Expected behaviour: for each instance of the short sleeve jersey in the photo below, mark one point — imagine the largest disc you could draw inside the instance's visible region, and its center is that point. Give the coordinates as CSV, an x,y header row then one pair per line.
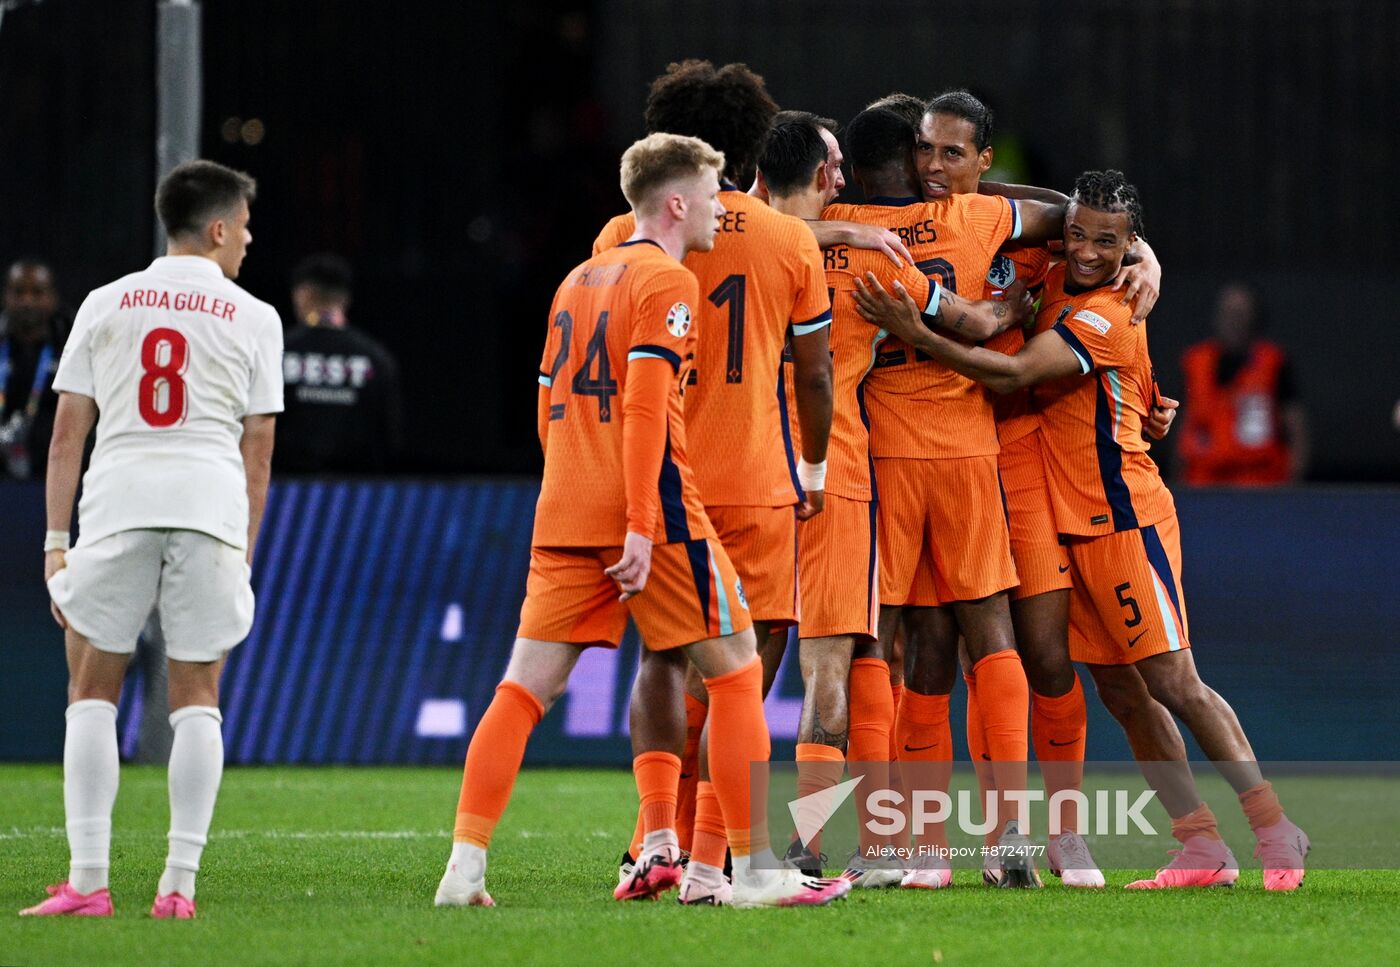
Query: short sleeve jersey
x,y
1101,478
763,278
953,242
1014,414
175,356
854,346
631,302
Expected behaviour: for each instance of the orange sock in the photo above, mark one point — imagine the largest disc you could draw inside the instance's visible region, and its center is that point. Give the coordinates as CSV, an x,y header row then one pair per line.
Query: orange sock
x,y
977,750
493,762
658,774
1261,805
818,767
739,738
1004,705
871,737
925,752
897,697
871,711
709,843
1058,727
634,845
1198,822
695,713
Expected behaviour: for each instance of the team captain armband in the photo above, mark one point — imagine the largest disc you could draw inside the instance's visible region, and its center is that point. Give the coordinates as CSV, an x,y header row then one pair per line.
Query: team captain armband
x,y
812,325
935,295
655,352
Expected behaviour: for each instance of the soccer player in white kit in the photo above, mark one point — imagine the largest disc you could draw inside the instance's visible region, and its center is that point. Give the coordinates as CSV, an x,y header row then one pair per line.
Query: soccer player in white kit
x,y
181,370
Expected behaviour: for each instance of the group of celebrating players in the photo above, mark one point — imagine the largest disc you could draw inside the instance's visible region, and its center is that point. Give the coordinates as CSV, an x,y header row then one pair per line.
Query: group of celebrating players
x,y
759,411
912,429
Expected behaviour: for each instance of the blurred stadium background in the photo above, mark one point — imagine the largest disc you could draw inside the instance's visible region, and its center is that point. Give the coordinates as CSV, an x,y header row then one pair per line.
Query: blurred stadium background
x,y
463,156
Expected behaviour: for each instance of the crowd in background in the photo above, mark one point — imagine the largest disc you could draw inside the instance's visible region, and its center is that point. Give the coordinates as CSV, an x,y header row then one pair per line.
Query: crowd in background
x,y
1243,417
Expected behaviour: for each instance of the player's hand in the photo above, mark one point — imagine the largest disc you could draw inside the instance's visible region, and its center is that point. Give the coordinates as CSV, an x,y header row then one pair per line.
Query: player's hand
x,y
633,569
813,505
895,313
1022,306
1144,284
881,240
55,561
1161,417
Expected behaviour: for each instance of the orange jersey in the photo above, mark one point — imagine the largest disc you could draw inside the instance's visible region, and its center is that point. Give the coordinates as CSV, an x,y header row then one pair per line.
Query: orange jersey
x,y
763,276
854,345
1101,478
626,308
953,241
1014,415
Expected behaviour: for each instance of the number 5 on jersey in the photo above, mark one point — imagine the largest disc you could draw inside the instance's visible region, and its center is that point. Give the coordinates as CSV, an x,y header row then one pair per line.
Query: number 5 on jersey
x,y
161,398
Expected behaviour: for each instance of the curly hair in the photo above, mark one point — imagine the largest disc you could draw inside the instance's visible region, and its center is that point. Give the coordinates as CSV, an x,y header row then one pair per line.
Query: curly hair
x,y
907,105
1109,191
727,107
963,104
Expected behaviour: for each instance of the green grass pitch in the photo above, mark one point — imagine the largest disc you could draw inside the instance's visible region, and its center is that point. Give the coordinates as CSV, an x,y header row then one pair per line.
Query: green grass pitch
x,y
338,866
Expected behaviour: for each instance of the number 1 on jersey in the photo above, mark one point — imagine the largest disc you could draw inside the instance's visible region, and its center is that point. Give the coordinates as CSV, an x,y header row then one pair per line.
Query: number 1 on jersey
x,y
161,398
732,291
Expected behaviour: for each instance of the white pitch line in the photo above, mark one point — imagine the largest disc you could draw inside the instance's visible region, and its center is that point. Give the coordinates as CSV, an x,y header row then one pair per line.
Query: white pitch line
x,y
15,832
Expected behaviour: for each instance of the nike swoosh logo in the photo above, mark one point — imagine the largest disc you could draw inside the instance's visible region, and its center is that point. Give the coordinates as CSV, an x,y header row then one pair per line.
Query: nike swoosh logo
x,y
921,748
986,758
1134,640
1064,568
1070,742
687,775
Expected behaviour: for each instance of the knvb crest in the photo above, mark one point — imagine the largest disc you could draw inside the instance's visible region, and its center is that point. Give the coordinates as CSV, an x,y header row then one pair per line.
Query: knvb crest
x,y
1002,273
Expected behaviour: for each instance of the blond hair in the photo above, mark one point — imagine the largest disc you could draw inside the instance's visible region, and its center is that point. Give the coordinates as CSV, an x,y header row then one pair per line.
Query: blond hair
x,y
659,159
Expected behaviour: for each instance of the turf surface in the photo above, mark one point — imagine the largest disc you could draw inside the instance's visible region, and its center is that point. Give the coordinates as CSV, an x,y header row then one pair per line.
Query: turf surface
x,y
332,866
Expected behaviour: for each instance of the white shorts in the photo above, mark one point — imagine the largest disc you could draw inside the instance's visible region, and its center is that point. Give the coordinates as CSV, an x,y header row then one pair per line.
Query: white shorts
x,y
199,584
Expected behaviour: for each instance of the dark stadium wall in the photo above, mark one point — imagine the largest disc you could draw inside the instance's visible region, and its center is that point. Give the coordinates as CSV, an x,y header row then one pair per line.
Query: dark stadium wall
x,y
379,643
463,156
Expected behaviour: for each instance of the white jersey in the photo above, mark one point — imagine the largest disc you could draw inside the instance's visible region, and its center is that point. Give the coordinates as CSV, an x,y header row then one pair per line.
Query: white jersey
x,y
175,356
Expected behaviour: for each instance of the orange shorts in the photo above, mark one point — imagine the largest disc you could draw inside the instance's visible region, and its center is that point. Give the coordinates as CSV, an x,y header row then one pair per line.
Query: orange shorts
x,y
947,517
762,543
691,594
1127,601
1042,563
839,570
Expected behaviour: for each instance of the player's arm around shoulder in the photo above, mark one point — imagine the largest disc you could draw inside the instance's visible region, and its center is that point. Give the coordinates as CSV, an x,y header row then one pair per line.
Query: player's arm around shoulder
x,y
618,229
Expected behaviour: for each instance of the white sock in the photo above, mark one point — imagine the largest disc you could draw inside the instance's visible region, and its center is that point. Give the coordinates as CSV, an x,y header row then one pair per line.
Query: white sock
x,y
196,767
89,790
468,861
756,868
704,873
658,838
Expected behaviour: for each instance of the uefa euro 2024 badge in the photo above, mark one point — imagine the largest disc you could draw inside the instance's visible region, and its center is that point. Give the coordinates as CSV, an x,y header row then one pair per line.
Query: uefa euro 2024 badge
x,y
678,320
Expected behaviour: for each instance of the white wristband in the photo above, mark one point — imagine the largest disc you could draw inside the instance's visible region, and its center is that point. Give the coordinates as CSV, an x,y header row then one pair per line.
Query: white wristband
x,y
55,541
812,476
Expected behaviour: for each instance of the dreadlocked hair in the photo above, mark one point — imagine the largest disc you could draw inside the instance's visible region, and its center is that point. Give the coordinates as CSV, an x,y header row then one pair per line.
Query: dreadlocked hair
x,y
1109,191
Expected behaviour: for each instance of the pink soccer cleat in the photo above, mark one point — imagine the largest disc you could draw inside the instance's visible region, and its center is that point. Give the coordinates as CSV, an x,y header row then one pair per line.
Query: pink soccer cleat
x,y
935,875
786,888
657,870
64,901
1281,850
1200,862
1071,861
173,906
705,886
